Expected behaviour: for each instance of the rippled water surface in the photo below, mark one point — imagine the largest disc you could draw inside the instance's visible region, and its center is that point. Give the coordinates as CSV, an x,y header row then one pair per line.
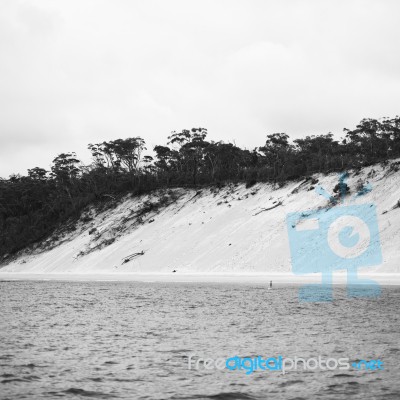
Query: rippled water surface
x,y
128,340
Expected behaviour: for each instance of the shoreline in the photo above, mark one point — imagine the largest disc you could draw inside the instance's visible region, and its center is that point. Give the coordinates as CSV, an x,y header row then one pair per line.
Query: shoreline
x,y
338,279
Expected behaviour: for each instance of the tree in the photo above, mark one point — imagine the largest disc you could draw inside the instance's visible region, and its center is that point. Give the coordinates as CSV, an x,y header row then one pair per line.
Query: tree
x,y
65,167
37,174
275,150
189,154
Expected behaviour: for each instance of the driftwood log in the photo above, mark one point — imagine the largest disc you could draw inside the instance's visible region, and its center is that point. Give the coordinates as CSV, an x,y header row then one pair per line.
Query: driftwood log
x,y
132,256
267,209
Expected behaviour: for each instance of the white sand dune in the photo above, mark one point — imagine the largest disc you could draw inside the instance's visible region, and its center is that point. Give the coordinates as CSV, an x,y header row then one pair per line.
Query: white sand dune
x,y
209,233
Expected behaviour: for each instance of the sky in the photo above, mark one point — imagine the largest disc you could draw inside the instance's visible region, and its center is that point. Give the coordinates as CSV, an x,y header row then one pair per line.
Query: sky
x,y
74,72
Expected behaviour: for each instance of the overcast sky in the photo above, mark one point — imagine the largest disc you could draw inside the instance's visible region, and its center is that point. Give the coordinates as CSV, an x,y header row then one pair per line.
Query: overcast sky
x,y
79,71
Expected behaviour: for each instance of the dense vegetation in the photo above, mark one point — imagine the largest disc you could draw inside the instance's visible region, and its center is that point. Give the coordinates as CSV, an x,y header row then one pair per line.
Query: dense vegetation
x,y
32,206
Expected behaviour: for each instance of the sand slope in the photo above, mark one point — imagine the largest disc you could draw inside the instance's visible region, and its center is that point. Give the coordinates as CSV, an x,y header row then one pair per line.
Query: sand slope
x,y
209,231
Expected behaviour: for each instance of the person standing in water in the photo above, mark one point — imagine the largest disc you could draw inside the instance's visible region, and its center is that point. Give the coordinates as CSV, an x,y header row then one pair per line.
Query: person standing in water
x,y
270,284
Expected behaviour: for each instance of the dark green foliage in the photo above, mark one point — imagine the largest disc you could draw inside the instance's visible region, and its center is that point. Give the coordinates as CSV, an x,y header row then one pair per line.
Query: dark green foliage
x,y
33,206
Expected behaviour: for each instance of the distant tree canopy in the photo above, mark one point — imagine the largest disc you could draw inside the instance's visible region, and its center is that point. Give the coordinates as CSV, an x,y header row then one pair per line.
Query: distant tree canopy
x,y
32,206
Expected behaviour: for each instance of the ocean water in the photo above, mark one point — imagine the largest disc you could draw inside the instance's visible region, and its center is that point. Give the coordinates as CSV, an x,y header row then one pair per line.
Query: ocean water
x,y
129,340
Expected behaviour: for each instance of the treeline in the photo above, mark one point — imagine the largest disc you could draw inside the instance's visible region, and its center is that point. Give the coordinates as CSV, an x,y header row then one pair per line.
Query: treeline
x,y
32,206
